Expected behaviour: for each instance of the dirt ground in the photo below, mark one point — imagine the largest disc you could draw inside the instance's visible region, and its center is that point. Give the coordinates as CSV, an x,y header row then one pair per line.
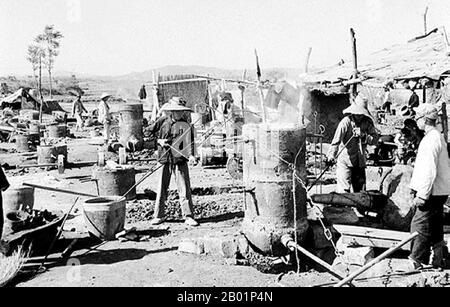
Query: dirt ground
x,y
156,262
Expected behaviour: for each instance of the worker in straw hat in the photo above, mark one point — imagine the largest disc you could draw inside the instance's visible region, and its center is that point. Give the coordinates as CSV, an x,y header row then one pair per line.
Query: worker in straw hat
x,y
78,109
355,131
430,185
104,115
175,148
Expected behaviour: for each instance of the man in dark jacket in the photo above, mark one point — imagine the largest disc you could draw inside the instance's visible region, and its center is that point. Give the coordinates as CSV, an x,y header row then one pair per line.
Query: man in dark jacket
x,y
175,148
4,184
142,93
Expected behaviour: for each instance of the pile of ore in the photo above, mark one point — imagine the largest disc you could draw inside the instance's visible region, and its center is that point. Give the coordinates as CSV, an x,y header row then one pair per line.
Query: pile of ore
x,y
205,207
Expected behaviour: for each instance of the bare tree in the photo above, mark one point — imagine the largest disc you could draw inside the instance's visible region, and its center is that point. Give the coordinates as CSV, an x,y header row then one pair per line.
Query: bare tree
x,y
50,40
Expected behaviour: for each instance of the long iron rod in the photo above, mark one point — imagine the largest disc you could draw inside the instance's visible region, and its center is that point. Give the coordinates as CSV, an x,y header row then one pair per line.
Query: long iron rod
x,y
376,260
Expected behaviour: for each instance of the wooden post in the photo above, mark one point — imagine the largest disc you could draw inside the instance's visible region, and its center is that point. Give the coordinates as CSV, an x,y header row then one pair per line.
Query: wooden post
x,y
308,55
40,88
425,20
155,108
355,61
261,96
376,260
242,88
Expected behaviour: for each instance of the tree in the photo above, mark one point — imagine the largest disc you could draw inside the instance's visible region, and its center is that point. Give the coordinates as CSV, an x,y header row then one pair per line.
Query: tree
x,y
50,42
33,55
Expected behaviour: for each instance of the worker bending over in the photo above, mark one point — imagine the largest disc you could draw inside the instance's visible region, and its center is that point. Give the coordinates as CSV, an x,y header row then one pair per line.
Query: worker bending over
x,y
355,131
430,184
175,148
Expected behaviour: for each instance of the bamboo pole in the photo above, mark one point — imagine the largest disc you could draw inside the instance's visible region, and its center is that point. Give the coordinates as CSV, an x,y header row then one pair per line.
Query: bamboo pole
x,y
261,96
308,56
376,260
58,190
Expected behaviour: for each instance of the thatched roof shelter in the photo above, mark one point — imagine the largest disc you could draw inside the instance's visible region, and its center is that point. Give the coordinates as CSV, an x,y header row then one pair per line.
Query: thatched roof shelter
x,y
425,56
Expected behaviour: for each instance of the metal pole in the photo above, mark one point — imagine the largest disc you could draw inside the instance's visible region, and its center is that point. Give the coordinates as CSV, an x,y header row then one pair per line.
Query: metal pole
x,y
376,260
288,241
58,190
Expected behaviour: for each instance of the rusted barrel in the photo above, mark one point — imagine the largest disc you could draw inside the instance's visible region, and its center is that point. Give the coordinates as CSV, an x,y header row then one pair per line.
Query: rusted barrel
x,y
49,154
115,182
131,122
14,198
22,143
57,131
268,161
104,216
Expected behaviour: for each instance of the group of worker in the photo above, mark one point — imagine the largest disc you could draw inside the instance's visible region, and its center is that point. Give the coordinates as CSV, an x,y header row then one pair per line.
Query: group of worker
x,y
430,182
104,114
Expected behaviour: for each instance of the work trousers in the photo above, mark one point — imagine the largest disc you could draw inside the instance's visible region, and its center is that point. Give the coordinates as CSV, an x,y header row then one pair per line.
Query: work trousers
x,y
80,122
181,172
348,177
106,130
428,221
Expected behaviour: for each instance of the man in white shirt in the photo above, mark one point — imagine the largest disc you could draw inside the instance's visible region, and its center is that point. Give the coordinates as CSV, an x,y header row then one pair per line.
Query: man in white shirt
x,y
430,183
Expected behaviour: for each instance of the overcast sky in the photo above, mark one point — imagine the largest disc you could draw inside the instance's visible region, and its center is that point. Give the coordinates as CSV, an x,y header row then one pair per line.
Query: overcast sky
x,y
113,37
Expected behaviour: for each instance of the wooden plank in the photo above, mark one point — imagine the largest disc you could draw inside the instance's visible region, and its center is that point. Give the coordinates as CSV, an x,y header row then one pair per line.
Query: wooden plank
x,y
371,232
183,81
366,236
372,242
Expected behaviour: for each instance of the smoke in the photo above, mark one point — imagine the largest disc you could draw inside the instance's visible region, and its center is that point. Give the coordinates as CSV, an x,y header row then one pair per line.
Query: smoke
x,y
289,103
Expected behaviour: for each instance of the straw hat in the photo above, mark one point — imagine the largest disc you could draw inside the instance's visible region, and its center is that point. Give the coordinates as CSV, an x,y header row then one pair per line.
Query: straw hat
x,y
104,96
226,96
175,104
359,107
427,110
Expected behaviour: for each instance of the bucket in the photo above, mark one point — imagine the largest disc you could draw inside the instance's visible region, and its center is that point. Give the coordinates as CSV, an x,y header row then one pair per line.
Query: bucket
x,y
104,216
34,128
115,182
22,143
29,114
15,198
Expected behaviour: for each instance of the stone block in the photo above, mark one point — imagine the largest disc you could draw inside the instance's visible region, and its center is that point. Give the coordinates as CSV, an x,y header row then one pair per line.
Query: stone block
x,y
192,247
225,247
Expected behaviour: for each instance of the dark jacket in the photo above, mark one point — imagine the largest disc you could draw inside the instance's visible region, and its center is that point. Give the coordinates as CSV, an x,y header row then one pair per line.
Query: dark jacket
x,y
413,100
4,184
162,129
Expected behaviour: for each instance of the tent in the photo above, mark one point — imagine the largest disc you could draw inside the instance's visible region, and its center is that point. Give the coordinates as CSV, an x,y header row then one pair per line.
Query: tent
x,y
24,99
